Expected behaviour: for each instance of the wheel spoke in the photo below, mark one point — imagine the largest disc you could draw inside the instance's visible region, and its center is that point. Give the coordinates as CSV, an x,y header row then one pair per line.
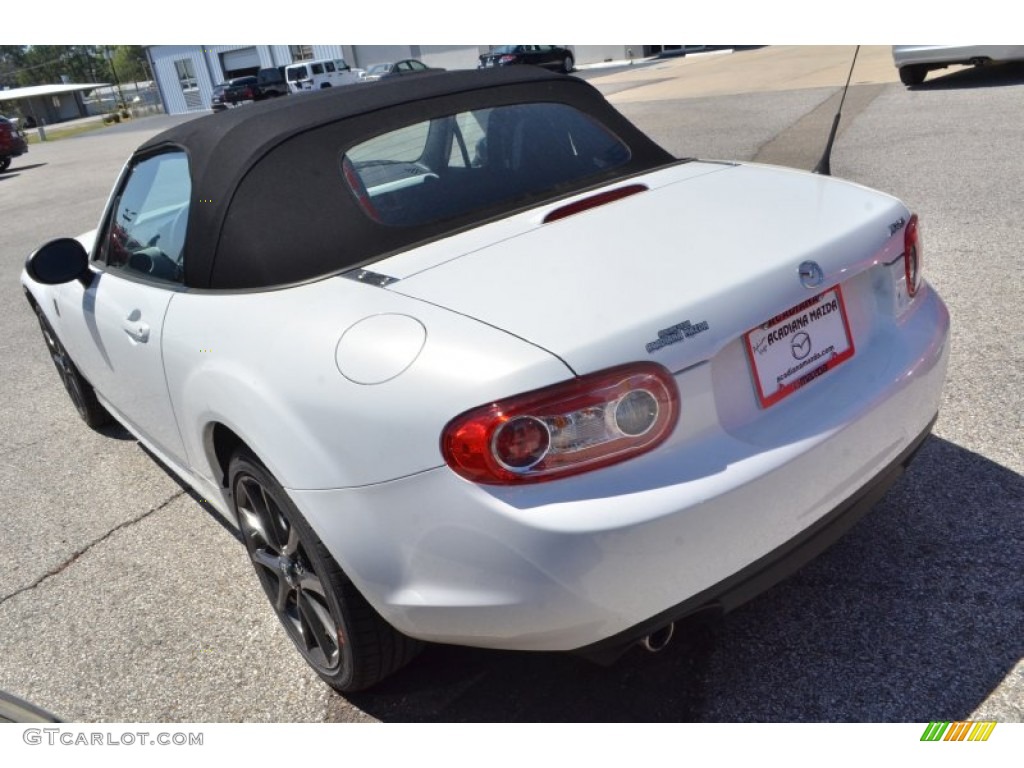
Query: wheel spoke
x,y
322,632
75,391
260,515
292,545
248,518
273,519
284,591
270,562
310,582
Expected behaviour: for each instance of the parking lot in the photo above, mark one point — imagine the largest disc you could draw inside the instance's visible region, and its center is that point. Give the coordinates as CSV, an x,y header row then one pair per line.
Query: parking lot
x,y
123,597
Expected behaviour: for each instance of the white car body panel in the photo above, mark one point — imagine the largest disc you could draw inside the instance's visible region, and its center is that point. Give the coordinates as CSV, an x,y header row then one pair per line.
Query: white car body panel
x,y
566,287
556,566
314,437
113,331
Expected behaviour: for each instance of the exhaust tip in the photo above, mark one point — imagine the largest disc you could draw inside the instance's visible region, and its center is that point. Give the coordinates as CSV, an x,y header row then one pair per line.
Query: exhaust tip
x,y
659,639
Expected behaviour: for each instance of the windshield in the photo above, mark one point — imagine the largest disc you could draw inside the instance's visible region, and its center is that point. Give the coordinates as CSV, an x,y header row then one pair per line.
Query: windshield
x,y
378,69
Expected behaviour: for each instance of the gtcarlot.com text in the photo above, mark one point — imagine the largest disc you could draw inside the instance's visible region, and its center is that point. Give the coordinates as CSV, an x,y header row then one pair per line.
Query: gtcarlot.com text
x,y
75,738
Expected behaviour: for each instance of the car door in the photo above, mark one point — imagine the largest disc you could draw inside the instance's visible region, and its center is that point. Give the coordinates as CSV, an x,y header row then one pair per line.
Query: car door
x,y
549,56
114,327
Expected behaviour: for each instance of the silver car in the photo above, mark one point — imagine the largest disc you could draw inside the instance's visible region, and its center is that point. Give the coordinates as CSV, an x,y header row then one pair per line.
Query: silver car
x,y
916,61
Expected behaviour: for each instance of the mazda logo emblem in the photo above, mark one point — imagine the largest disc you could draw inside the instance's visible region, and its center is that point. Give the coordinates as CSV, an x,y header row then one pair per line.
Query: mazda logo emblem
x,y
800,346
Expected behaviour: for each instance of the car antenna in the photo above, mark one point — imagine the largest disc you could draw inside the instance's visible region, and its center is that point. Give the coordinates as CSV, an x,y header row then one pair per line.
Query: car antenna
x,y
824,166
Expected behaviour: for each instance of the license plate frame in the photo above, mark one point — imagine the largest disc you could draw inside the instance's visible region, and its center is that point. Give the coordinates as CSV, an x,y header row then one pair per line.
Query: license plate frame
x,y
799,345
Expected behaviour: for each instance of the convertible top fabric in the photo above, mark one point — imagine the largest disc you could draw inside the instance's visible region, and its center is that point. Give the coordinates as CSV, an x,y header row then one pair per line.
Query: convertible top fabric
x,y
269,204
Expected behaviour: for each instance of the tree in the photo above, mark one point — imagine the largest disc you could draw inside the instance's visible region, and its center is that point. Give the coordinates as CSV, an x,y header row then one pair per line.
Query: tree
x,y
43,64
130,63
12,59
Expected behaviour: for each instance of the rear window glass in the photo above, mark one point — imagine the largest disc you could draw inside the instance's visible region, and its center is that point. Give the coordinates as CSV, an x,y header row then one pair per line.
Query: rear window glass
x,y
297,73
454,165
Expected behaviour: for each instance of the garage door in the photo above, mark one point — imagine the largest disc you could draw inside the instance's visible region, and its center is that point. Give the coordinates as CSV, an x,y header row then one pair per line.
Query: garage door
x,y
240,62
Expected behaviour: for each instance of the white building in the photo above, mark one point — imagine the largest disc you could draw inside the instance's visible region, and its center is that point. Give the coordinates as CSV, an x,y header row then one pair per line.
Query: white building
x,y
186,74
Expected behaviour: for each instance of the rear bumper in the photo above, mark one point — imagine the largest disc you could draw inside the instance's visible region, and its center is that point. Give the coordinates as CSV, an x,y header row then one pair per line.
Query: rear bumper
x,y
771,569
945,55
16,149
588,563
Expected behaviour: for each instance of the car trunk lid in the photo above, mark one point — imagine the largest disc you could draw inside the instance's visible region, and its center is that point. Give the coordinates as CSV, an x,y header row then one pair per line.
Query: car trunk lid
x,y
670,274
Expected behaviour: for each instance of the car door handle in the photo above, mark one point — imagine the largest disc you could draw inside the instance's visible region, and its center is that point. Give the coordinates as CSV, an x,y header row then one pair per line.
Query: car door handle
x,y
137,331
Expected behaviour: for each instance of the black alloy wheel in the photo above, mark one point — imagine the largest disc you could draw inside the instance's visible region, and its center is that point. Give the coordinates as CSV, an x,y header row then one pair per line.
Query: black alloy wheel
x,y
82,395
337,632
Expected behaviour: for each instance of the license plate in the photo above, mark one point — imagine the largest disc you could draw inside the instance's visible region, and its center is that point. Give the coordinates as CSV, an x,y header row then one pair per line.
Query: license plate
x,y
798,346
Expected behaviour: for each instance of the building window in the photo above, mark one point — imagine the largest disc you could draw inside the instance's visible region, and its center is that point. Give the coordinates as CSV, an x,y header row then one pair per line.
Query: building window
x,y
186,72
301,52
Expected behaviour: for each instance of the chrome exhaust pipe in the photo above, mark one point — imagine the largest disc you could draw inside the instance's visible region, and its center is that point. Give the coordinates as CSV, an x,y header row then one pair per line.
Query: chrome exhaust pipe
x,y
659,639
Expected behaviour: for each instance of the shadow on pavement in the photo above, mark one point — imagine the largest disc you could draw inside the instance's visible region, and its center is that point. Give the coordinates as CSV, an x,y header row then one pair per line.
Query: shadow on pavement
x,y
14,170
989,76
917,615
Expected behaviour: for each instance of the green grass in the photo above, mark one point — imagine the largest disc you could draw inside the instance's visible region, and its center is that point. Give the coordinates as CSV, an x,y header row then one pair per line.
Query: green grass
x,y
55,132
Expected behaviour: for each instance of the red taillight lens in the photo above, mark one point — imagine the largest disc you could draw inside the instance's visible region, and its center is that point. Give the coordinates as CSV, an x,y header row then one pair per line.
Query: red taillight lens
x,y
508,59
912,256
572,427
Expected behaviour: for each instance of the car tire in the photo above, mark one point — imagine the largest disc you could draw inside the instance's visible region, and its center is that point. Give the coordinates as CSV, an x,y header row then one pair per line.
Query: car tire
x,y
913,74
334,628
568,64
82,395
5,163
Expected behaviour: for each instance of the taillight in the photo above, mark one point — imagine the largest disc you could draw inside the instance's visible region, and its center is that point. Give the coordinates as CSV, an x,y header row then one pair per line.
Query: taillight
x,y
508,59
594,201
912,256
576,426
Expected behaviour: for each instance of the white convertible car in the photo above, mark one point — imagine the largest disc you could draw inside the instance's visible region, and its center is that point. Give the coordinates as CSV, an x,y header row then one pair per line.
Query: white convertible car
x,y
472,360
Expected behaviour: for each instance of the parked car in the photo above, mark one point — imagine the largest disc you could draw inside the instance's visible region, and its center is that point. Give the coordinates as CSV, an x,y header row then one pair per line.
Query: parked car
x,y
472,360
234,92
916,61
12,143
396,69
319,73
549,56
270,82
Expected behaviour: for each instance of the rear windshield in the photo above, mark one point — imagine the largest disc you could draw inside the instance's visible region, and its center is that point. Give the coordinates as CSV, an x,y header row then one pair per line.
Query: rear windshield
x,y
459,164
297,73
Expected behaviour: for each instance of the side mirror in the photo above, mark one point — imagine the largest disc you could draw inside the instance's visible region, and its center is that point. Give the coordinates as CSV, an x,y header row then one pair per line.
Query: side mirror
x,y
59,261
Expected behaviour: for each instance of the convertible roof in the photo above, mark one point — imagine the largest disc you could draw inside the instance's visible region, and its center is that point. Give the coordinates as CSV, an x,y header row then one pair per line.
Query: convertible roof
x,y
232,135
268,204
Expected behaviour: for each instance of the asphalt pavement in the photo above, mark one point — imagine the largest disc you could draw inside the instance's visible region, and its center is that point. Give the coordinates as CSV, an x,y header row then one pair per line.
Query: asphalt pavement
x,y
124,598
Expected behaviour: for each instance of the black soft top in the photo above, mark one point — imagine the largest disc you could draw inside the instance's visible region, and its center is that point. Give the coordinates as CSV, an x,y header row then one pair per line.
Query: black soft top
x,y
269,206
